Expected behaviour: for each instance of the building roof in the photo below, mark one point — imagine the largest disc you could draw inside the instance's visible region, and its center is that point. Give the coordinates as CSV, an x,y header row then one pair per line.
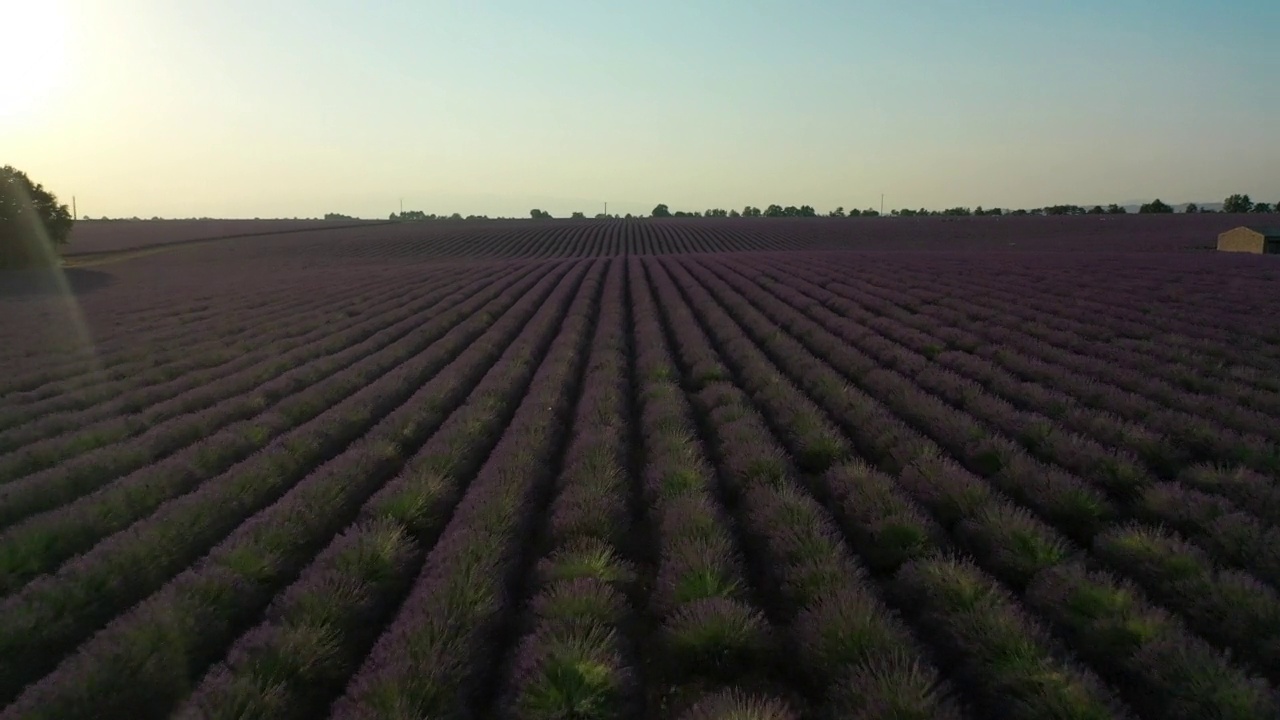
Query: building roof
x,y
1269,232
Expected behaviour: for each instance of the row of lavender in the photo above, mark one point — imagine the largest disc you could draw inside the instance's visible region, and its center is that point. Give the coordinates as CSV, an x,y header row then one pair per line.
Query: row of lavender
x,y
1226,340
1134,454
1131,453
52,514
79,419
583,239
1083,509
770,469
1109,244
57,611
139,315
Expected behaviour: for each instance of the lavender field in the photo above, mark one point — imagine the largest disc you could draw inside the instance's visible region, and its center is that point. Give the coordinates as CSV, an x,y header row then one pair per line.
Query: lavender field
x,y
885,468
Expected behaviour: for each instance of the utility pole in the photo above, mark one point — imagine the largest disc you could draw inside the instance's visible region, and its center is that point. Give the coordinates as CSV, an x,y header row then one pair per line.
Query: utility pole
x,y
606,208
74,215
881,204
402,206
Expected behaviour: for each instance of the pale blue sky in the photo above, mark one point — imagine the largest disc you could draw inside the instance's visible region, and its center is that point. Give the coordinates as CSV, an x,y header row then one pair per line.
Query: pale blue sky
x,y
243,108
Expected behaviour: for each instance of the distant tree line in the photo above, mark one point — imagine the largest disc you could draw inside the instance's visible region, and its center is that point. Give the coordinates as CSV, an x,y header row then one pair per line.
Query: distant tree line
x,y
420,216
1233,204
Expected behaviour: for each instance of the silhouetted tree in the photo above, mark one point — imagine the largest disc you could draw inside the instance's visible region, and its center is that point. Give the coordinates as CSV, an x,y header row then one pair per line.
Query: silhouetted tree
x,y
1114,209
661,211
33,224
1237,204
751,211
576,215
537,214
1262,208
774,211
855,212
734,214
1191,208
1154,207
412,215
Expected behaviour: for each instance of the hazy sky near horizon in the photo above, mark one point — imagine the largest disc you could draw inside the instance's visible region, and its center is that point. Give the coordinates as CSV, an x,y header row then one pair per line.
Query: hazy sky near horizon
x,y
282,108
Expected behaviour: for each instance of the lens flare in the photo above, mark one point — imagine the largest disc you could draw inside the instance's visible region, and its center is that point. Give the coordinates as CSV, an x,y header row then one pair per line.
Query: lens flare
x,y
67,329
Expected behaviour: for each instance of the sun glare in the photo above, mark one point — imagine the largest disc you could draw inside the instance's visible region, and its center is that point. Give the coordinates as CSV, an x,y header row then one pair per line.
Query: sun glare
x,y
34,53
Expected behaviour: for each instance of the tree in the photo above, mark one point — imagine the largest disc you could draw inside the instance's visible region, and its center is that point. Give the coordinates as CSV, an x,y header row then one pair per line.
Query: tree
x,y
870,212
1114,209
661,211
1262,208
33,224
774,211
734,214
537,214
1237,204
1155,207
577,216
751,211
1191,208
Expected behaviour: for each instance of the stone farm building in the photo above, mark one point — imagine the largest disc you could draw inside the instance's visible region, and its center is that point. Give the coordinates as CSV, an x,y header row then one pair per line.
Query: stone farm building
x,y
1251,240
